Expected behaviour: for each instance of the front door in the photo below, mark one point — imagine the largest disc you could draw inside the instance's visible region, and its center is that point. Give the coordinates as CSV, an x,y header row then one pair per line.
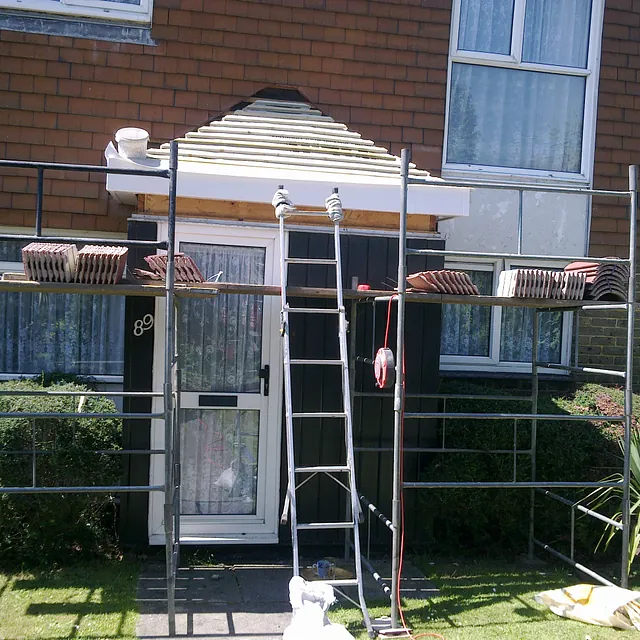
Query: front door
x,y
229,352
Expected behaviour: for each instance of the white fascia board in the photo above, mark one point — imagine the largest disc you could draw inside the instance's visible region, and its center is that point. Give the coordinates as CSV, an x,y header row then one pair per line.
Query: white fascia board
x,y
306,188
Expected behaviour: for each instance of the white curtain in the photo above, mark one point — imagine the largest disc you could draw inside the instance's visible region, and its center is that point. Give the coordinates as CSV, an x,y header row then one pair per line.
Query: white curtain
x,y
466,329
485,25
557,32
516,335
518,119
219,462
221,344
221,338
55,333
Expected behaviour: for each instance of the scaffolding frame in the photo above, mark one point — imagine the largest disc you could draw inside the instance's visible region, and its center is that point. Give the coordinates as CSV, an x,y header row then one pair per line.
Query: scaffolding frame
x,y
170,384
534,485
170,392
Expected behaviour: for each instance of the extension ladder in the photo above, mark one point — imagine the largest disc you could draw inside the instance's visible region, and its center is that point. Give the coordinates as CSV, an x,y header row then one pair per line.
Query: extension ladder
x,y
297,475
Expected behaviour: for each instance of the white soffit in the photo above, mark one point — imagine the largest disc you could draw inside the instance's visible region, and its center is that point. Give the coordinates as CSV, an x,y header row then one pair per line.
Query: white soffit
x,y
249,152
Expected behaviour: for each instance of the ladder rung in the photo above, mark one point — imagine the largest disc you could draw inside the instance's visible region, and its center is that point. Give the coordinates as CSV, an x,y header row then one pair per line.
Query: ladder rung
x,y
321,469
325,525
310,310
311,260
309,361
320,414
344,583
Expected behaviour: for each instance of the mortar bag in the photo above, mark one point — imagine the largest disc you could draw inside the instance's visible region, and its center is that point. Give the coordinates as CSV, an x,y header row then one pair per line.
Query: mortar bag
x,y
599,605
310,602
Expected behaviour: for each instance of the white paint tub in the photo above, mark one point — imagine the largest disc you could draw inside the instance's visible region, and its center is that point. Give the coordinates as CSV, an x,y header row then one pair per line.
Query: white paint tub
x,y
132,142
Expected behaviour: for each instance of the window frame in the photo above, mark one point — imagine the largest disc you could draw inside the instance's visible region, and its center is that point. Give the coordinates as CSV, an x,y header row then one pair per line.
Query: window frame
x,y
514,61
493,363
101,9
18,267
455,361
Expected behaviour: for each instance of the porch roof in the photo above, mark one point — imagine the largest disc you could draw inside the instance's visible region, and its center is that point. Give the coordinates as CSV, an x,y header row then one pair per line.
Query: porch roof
x,y
247,153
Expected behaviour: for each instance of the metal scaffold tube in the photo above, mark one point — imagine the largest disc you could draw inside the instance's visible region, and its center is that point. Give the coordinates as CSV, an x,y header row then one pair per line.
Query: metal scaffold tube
x,y
628,383
534,429
398,399
168,390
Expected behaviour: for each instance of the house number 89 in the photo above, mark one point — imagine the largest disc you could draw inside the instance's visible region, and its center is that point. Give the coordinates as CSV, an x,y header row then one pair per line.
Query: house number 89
x,y
140,326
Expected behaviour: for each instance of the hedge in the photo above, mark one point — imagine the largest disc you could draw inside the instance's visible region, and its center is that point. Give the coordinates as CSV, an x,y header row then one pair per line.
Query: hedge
x,y
495,521
56,528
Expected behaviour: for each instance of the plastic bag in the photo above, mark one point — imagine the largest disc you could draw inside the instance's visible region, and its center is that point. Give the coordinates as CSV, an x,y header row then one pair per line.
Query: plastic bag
x,y
602,606
310,602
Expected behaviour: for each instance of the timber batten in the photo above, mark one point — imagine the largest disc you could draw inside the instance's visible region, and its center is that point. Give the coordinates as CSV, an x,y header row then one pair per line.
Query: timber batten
x,y
234,211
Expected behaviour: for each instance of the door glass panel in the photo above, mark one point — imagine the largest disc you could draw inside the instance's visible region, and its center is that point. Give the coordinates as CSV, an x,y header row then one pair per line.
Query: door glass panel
x,y
221,338
219,462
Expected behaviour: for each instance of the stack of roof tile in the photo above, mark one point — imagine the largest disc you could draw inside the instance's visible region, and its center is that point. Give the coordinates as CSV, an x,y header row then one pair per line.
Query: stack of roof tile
x,y
48,262
604,281
443,281
186,269
541,283
101,265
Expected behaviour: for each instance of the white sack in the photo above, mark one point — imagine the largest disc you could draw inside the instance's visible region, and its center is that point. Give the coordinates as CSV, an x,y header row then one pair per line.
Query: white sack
x,y
599,605
310,602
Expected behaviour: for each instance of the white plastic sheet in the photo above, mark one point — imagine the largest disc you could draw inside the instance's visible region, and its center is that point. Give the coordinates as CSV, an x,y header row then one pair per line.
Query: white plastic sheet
x,y
599,605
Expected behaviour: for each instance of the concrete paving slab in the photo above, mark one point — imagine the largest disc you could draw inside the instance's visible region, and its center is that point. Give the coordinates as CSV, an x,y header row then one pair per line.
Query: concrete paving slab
x,y
249,601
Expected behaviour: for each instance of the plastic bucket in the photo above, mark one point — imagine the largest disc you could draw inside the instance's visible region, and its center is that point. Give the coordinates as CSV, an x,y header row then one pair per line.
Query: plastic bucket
x,y
132,142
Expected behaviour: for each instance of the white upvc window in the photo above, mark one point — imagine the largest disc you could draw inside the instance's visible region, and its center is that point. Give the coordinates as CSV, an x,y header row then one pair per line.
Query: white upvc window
x,y
478,338
138,11
522,89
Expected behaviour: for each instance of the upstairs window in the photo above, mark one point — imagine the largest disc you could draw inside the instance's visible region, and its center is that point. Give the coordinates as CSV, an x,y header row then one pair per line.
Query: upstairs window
x,y
138,11
522,87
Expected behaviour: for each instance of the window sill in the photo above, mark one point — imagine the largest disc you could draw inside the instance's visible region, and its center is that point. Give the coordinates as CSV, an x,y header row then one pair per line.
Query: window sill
x,y
496,175
76,28
500,371
496,373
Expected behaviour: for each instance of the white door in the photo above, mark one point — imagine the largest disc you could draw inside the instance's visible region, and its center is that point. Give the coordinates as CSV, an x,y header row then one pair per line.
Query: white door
x,y
230,424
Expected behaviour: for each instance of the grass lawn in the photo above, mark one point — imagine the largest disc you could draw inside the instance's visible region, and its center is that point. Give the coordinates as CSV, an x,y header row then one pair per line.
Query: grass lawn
x,y
90,601
487,601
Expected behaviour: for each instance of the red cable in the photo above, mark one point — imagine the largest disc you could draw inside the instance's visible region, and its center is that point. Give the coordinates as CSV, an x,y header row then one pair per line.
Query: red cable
x,y
401,558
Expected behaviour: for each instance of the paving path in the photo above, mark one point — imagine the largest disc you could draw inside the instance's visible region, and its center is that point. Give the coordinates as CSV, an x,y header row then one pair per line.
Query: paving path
x,y
238,600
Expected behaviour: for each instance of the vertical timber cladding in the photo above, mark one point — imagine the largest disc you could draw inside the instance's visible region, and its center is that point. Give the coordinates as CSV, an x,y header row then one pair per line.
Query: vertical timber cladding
x,y
374,261
138,376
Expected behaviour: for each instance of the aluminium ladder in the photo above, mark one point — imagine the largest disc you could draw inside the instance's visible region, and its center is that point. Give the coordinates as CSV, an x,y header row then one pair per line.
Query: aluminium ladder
x,y
294,420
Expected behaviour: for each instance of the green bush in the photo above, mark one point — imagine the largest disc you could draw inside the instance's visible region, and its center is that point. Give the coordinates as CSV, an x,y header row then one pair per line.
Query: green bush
x,y
55,528
496,521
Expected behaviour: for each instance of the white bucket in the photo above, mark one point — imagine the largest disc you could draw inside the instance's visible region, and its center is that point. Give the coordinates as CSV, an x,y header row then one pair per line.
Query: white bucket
x,y
132,142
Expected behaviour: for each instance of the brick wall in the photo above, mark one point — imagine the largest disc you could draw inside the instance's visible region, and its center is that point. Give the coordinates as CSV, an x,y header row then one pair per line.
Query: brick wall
x,y
379,66
602,339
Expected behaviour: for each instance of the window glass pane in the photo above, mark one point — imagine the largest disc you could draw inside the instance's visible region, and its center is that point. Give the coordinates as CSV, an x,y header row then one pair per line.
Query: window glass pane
x,y
485,25
515,119
11,250
47,333
466,329
557,32
221,338
516,335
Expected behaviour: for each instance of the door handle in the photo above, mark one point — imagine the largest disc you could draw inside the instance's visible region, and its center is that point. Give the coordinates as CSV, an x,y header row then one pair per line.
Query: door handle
x,y
264,374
